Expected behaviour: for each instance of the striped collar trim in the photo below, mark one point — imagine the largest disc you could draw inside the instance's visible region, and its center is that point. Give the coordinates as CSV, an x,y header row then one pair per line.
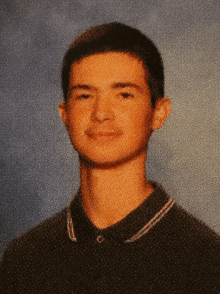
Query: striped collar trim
x,y
145,229
70,228
153,221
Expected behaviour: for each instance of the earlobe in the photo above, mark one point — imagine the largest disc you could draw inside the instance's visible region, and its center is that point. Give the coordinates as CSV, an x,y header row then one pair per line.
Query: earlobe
x,y
161,112
62,112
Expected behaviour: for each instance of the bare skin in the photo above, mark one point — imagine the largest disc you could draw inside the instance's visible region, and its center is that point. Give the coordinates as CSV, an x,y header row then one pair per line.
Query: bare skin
x,y
109,194
109,118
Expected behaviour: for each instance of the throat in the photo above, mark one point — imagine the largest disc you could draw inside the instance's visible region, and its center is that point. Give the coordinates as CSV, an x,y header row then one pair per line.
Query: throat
x,y
109,195
111,209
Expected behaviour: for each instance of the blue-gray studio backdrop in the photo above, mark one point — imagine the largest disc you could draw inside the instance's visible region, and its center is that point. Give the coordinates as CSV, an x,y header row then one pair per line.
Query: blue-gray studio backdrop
x,y
39,168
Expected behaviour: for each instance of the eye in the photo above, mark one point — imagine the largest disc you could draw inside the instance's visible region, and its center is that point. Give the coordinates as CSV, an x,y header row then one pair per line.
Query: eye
x,y
126,95
84,96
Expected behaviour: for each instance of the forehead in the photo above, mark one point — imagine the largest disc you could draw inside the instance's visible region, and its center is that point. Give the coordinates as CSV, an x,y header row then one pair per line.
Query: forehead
x,y
114,66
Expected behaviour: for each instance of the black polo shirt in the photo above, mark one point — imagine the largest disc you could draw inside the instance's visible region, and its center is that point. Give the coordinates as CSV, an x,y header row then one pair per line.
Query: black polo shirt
x,y
157,248
136,224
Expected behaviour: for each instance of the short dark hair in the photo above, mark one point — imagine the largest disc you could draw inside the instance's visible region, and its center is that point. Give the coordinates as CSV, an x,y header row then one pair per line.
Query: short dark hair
x,y
117,37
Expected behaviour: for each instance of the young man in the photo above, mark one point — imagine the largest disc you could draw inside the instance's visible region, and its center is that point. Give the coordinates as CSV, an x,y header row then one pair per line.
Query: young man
x,y
121,233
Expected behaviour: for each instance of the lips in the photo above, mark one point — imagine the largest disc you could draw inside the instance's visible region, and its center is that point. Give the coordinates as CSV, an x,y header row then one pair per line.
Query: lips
x,y
102,134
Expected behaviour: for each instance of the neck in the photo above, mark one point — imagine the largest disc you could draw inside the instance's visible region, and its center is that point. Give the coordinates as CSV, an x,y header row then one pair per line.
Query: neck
x,y
108,195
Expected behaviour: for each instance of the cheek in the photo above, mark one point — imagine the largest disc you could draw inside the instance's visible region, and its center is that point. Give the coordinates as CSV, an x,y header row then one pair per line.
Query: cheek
x,y
138,119
76,121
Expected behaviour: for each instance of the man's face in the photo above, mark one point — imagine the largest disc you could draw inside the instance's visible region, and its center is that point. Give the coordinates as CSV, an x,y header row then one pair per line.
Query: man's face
x,y
108,115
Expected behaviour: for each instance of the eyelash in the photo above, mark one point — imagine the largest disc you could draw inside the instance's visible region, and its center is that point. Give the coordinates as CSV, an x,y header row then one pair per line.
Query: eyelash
x,y
83,96
126,95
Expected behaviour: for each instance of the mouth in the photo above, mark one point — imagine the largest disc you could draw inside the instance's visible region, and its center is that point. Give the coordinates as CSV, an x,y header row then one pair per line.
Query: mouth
x,y
103,135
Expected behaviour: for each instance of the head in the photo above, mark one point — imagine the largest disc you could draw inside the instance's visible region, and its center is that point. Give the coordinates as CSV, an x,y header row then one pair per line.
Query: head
x,y
117,37
113,84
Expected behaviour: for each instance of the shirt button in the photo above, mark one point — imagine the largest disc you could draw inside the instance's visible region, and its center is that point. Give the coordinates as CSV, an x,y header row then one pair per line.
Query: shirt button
x,y
100,239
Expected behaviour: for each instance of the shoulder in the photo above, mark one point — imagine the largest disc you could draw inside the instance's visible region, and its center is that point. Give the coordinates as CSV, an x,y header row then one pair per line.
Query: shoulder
x,y
187,226
43,234
181,225
28,257
37,242
187,238
187,250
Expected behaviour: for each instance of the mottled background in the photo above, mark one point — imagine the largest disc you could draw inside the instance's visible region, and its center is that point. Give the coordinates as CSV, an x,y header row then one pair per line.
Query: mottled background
x,y
39,169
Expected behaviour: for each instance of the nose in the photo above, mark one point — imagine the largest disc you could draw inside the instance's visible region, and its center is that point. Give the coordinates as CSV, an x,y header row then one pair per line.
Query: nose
x,y
102,109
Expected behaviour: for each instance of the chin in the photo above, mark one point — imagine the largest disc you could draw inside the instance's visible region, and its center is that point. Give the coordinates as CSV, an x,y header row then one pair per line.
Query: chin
x,y
101,163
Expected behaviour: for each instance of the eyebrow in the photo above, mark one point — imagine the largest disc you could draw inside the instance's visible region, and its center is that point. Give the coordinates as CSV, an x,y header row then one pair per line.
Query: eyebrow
x,y
113,86
124,85
81,86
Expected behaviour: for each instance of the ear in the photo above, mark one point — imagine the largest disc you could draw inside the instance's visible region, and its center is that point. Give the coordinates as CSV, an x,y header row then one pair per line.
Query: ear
x,y
62,112
161,111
